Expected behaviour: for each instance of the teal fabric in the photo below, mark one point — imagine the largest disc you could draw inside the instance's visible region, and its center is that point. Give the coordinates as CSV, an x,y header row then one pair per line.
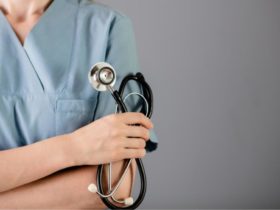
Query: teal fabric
x,y
44,88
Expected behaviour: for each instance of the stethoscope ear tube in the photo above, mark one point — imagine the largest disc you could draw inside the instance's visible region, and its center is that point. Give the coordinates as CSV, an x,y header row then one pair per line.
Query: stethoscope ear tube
x,y
141,195
147,90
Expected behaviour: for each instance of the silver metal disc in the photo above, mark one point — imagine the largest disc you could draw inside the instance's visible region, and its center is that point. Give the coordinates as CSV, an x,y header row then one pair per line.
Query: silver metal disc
x,y
101,76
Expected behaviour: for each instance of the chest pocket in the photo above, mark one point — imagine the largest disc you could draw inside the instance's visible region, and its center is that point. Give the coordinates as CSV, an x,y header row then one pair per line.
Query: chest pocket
x,y
72,114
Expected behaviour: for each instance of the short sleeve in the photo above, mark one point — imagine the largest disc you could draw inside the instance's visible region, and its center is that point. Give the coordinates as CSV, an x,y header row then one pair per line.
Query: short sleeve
x,y
121,53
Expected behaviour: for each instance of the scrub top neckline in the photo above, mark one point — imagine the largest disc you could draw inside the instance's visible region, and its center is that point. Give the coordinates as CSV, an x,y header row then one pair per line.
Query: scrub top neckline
x,y
47,50
38,23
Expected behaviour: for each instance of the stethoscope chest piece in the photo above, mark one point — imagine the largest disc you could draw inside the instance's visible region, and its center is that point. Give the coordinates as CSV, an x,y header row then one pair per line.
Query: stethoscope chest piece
x,y
101,76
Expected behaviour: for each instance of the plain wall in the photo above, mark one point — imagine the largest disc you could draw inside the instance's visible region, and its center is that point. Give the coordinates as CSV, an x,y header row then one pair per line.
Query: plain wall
x,y
214,67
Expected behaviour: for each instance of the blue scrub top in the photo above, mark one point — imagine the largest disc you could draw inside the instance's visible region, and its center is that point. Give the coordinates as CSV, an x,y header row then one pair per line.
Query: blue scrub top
x,y
44,88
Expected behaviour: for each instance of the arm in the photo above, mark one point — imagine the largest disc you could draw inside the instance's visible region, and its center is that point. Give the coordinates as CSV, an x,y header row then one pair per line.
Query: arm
x,y
110,144
23,168
24,165
64,189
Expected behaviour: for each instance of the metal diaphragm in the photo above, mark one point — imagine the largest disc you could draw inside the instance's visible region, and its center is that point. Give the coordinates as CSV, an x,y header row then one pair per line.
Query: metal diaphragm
x,y
101,76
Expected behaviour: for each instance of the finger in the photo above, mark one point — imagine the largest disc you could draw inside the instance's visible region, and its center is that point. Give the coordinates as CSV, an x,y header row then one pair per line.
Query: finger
x,y
137,132
134,153
134,143
131,118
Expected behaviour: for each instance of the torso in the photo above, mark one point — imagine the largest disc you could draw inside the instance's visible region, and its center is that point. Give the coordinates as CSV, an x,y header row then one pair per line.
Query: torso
x,y
44,82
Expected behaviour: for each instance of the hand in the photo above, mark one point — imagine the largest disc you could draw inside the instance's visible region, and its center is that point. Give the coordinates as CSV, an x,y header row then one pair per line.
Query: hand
x,y
111,138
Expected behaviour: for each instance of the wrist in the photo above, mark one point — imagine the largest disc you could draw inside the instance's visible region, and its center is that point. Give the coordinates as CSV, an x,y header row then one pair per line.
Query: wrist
x,y
69,150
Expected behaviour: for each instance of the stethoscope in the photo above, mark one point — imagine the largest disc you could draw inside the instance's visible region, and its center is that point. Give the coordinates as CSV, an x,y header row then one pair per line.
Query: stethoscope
x,y
102,77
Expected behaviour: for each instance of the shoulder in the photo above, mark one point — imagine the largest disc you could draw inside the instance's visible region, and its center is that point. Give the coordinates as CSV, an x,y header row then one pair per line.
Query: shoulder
x,y
99,12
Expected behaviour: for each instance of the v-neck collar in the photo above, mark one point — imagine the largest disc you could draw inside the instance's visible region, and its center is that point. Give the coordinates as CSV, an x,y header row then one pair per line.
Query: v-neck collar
x,y
47,49
52,4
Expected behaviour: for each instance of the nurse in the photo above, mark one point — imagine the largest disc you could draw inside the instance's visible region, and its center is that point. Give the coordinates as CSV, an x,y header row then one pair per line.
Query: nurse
x,y
54,128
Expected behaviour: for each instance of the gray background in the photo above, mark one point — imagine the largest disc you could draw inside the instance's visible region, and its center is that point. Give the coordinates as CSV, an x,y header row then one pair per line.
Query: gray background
x,y
214,67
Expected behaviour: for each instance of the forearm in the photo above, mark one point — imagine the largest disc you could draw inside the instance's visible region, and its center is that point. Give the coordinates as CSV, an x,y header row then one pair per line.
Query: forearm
x,y
26,164
25,169
65,189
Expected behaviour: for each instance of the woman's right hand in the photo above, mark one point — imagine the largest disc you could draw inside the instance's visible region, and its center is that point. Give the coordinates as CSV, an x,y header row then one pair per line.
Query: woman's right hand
x,y
111,138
